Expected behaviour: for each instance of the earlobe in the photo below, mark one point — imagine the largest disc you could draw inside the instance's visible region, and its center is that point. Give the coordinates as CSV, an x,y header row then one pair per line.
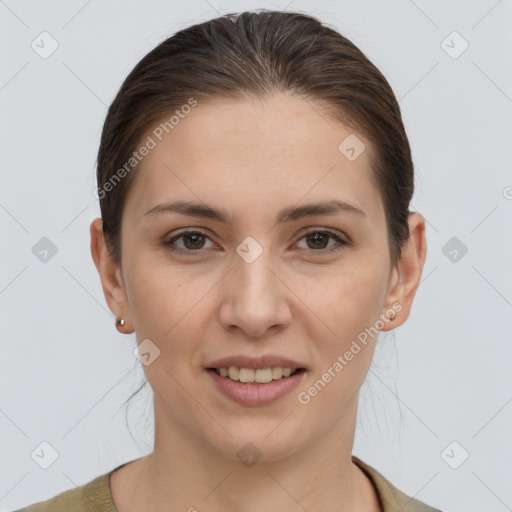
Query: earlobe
x,y
408,270
109,272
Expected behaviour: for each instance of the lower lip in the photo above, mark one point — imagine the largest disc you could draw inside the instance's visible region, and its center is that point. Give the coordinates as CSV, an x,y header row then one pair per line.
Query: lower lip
x,y
254,394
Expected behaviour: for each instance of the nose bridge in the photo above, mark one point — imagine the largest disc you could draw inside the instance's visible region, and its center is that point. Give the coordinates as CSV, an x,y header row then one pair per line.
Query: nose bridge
x,y
254,279
255,298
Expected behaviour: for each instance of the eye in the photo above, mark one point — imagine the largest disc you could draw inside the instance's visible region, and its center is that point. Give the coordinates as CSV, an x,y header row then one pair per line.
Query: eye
x,y
193,240
318,237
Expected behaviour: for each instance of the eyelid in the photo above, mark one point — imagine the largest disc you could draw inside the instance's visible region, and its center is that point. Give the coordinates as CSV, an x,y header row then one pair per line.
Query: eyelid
x,y
318,229
186,231
341,239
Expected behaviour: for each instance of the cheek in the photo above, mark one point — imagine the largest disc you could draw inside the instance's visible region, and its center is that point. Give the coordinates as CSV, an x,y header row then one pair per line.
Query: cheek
x,y
347,309
154,287
165,309
168,305
347,306
345,302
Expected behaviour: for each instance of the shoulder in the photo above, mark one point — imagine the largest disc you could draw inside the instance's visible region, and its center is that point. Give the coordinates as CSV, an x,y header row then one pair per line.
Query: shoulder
x,y
391,498
93,496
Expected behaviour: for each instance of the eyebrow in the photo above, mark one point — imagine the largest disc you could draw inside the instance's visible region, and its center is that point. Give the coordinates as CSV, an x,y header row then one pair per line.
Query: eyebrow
x,y
289,214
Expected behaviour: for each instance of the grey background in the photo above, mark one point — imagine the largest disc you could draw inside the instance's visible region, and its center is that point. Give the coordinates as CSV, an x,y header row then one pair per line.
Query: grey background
x,y
444,376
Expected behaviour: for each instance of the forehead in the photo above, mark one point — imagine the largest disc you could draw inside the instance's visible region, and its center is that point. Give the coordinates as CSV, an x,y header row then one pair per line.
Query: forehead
x,y
254,154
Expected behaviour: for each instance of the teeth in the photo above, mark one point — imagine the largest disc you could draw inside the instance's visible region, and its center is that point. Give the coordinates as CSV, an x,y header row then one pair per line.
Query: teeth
x,y
261,376
277,373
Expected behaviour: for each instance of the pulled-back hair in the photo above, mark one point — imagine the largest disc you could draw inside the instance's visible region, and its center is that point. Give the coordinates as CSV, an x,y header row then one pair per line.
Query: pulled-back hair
x,y
253,54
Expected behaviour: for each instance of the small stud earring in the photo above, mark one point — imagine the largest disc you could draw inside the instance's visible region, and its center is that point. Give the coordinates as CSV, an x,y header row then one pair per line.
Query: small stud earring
x,y
120,325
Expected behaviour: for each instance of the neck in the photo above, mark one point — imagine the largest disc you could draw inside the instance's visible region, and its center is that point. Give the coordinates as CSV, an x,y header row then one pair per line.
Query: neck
x,y
190,473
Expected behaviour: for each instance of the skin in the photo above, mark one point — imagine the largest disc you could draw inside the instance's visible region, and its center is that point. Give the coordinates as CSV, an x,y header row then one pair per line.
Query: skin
x,y
253,158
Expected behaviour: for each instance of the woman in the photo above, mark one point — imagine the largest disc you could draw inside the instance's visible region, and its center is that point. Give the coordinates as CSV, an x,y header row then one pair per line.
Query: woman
x,y
254,179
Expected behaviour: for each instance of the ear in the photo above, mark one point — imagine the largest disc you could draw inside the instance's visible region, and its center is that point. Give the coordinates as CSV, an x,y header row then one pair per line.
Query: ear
x,y
110,274
406,275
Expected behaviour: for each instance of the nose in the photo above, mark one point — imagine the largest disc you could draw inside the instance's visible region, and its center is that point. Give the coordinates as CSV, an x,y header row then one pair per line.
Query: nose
x,y
255,298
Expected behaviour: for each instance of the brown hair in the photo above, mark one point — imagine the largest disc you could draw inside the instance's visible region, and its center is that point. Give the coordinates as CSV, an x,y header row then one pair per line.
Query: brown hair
x,y
252,54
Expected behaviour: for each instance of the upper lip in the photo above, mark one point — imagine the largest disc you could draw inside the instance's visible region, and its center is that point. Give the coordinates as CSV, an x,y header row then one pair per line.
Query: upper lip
x,y
256,363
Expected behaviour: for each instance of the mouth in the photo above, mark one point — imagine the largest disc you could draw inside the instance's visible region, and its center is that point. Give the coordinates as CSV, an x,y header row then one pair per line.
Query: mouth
x,y
252,376
253,387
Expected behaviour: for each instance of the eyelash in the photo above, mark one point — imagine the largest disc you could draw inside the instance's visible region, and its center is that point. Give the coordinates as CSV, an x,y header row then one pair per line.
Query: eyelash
x,y
340,242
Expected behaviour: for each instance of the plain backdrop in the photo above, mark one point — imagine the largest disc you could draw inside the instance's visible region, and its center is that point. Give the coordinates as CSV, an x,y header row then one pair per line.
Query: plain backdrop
x,y
435,417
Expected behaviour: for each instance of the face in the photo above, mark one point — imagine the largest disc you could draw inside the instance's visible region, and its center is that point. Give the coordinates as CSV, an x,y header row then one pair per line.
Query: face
x,y
256,282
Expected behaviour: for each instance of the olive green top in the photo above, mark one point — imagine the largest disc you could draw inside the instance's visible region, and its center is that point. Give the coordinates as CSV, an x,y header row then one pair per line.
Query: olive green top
x,y
95,496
